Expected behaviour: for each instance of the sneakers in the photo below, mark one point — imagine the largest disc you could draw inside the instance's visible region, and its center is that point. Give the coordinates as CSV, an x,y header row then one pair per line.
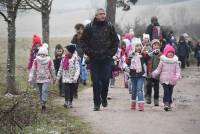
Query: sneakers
x,y
166,106
141,106
148,100
96,108
133,105
66,104
70,105
104,103
156,102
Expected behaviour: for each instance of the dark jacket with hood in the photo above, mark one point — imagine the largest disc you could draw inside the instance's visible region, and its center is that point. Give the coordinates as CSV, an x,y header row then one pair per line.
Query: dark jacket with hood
x,y
183,49
99,40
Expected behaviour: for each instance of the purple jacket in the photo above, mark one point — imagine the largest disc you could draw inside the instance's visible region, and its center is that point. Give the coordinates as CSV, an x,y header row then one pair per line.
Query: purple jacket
x,y
168,69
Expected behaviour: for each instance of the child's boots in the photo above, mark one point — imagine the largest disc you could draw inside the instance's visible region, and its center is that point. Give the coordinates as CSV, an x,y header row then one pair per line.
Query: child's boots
x,y
133,105
141,106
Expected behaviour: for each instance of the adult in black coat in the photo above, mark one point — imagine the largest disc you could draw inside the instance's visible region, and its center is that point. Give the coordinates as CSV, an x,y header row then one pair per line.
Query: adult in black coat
x,y
100,42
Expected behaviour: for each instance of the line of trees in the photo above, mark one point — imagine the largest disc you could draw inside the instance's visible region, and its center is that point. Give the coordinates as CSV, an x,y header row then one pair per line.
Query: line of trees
x,y
9,10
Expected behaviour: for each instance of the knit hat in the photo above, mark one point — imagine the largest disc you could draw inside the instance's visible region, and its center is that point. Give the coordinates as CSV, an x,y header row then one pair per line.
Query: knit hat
x,y
146,36
45,45
36,41
168,48
71,48
136,41
154,41
43,50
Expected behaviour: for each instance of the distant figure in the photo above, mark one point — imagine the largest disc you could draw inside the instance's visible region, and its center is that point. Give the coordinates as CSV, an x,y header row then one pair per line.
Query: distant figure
x,y
154,29
100,43
197,53
182,51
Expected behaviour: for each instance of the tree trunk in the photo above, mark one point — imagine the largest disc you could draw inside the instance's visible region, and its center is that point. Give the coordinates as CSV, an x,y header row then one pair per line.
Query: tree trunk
x,y
11,83
111,10
45,27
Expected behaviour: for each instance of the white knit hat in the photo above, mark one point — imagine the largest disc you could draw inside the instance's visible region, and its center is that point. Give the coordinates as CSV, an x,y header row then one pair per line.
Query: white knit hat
x,y
45,45
136,41
127,42
146,36
43,50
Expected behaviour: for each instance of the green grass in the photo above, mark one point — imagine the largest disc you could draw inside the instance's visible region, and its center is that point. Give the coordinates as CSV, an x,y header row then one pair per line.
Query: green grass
x,y
57,119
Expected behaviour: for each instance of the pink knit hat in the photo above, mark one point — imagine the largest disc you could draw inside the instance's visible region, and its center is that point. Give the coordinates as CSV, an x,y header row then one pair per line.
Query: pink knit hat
x,y
168,48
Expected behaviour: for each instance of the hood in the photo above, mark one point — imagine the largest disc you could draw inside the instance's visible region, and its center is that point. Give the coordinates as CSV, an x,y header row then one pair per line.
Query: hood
x,y
163,58
43,60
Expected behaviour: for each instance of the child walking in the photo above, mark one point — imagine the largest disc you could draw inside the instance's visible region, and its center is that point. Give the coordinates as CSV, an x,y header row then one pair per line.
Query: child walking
x,y
42,72
58,57
36,43
69,71
137,74
152,59
169,71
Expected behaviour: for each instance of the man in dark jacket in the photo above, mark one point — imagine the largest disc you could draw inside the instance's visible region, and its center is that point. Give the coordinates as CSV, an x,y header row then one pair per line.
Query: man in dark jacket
x,y
100,43
154,29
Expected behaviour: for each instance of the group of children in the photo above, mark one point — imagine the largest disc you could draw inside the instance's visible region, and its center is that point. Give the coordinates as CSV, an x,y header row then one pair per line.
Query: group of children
x,y
64,69
145,67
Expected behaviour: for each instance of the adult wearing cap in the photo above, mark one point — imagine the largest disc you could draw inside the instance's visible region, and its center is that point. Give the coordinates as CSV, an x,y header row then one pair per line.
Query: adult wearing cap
x,y
100,43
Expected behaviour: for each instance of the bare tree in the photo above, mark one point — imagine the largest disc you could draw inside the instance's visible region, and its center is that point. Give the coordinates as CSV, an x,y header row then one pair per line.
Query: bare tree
x,y
8,10
111,8
44,7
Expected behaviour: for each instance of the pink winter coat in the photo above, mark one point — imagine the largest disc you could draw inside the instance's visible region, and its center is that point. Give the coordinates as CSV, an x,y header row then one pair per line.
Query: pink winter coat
x,y
168,69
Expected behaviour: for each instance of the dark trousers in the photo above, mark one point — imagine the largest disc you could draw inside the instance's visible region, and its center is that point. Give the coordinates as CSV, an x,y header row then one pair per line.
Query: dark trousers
x,y
152,83
183,61
100,77
61,92
69,91
168,90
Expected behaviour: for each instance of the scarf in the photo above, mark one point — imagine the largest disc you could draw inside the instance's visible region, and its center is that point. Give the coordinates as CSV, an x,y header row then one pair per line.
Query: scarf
x,y
136,63
66,61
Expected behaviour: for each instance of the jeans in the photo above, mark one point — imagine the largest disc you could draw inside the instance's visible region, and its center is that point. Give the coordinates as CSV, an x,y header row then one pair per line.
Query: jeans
x,y
137,88
43,92
168,90
100,70
69,91
152,83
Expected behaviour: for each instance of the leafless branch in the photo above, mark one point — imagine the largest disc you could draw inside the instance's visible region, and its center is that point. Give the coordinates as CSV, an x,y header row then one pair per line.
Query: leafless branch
x,y
5,18
33,5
